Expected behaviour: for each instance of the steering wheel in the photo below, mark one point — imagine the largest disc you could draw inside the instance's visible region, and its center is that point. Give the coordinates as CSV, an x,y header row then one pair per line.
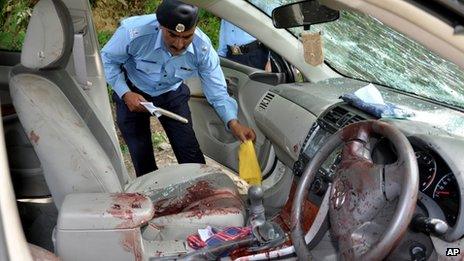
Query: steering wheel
x,y
364,195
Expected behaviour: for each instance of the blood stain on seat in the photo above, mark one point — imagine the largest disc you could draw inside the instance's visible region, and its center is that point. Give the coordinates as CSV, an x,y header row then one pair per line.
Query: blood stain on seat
x,y
220,204
123,207
195,195
34,137
131,242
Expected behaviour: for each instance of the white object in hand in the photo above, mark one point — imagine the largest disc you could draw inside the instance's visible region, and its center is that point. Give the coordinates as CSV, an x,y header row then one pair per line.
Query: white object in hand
x,y
158,112
151,108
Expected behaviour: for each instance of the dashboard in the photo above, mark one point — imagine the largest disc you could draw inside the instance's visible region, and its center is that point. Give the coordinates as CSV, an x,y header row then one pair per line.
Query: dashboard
x,y
437,151
439,183
436,180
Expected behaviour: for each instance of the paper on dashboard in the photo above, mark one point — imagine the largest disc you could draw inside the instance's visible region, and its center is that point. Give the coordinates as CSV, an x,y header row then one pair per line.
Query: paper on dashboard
x,y
370,94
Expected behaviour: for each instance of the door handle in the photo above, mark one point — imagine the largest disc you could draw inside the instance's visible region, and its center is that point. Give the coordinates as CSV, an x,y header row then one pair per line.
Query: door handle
x,y
232,84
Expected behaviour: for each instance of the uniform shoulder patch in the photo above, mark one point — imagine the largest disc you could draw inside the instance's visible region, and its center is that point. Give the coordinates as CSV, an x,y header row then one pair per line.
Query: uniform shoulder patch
x,y
202,42
140,25
133,33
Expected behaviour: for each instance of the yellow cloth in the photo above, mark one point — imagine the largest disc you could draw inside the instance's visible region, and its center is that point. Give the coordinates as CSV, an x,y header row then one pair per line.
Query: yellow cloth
x,y
248,167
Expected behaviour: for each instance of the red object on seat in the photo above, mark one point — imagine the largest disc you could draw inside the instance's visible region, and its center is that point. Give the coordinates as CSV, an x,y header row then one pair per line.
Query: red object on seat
x,y
227,234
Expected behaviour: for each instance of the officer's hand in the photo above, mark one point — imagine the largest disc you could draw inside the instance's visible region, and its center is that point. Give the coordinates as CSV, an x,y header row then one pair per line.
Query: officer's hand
x,y
133,100
241,132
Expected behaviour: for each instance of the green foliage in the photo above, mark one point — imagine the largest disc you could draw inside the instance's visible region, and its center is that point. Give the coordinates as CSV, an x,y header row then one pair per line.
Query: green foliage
x,y
110,93
151,5
14,18
158,138
210,25
124,148
104,37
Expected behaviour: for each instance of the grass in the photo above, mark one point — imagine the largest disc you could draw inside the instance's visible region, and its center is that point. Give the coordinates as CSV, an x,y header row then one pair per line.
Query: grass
x,y
157,138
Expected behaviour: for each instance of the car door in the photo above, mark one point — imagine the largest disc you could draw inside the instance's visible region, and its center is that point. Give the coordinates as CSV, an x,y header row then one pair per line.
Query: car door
x,y
247,86
13,245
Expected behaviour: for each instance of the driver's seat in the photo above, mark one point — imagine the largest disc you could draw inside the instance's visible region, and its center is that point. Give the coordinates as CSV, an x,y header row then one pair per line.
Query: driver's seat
x,y
104,213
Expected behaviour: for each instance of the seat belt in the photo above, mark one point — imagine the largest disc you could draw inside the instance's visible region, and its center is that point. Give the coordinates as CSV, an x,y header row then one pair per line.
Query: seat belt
x,y
80,66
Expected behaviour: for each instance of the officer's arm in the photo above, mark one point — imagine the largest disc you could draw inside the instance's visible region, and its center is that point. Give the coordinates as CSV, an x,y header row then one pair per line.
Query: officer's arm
x,y
114,54
215,89
222,50
214,86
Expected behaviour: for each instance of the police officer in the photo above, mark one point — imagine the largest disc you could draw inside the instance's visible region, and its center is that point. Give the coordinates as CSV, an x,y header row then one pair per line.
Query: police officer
x,y
237,45
147,59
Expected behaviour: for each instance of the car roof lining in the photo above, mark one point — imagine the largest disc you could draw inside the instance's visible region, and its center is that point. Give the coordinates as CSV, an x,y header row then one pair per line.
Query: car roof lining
x,y
450,12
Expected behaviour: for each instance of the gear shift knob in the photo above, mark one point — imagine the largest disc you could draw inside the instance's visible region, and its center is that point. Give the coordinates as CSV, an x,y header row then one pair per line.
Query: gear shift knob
x,y
268,233
255,194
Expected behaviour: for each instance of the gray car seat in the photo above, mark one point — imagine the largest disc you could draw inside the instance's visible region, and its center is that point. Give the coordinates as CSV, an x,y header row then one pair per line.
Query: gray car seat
x,y
79,156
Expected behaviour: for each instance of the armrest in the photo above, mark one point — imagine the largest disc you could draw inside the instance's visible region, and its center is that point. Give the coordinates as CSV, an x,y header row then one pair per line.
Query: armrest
x,y
104,211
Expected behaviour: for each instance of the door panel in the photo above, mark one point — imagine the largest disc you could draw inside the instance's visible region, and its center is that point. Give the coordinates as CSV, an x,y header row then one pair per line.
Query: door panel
x,y
214,139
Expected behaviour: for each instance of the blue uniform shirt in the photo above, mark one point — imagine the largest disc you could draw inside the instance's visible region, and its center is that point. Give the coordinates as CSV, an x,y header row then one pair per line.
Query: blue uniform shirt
x,y
138,46
230,34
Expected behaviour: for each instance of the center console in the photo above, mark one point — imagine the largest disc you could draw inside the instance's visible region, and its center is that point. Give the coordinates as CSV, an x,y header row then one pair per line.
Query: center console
x,y
333,119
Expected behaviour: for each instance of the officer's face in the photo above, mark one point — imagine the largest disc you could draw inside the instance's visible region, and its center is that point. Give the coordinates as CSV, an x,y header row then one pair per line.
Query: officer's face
x,y
177,42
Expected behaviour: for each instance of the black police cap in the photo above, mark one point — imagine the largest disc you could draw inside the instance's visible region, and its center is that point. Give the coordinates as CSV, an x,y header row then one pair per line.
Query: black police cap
x,y
176,15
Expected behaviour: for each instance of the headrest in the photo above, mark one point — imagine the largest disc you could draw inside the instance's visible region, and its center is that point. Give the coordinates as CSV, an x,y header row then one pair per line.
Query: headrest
x,y
49,36
176,15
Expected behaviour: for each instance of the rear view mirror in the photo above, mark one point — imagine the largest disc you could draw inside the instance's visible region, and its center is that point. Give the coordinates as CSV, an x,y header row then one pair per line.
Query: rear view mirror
x,y
303,14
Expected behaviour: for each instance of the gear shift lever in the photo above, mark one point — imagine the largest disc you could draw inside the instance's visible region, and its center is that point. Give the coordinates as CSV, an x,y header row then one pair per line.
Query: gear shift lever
x,y
268,233
257,217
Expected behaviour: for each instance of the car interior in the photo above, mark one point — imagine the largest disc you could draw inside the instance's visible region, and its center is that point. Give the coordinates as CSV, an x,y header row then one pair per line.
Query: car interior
x,y
339,181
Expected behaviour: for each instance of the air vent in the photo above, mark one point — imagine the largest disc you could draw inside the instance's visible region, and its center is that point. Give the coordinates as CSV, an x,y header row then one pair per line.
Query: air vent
x,y
266,100
353,119
335,115
337,118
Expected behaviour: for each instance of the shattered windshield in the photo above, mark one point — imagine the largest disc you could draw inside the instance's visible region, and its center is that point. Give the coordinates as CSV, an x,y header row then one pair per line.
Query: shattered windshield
x,y
361,47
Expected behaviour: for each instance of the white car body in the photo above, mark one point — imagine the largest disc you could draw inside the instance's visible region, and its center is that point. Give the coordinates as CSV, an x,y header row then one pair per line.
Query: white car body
x,y
276,141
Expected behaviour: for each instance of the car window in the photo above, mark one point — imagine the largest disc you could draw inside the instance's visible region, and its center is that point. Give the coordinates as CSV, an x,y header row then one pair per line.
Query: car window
x,y
233,43
374,52
238,45
362,47
15,15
